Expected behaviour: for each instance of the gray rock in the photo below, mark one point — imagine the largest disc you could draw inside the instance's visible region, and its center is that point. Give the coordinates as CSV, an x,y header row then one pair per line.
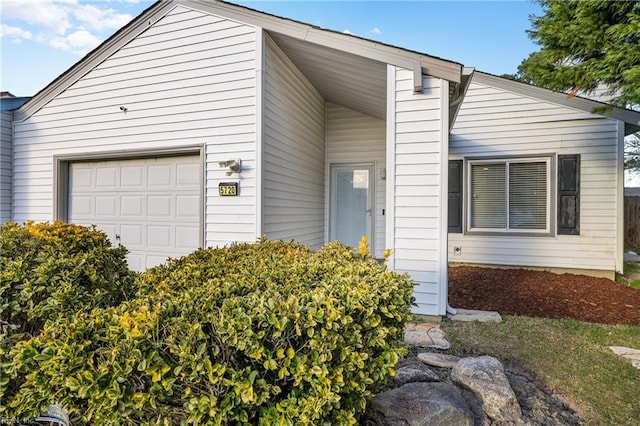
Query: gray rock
x,y
485,377
425,334
438,360
419,404
411,370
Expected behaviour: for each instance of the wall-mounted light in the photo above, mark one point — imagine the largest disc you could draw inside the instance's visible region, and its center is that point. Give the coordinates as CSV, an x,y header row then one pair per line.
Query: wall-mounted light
x,y
233,166
383,173
123,108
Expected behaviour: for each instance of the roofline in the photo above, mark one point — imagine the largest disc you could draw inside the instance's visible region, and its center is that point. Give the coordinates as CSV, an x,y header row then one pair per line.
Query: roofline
x,y
404,58
121,37
418,62
631,118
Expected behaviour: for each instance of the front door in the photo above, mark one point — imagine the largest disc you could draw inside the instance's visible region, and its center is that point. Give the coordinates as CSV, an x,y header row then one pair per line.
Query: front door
x,y
351,215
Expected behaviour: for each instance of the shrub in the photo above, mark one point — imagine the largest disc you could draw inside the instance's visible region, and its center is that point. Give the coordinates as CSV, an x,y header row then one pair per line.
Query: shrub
x,y
50,271
266,333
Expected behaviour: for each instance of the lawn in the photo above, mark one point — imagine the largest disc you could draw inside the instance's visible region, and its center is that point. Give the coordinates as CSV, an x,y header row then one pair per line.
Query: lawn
x,y
571,358
631,275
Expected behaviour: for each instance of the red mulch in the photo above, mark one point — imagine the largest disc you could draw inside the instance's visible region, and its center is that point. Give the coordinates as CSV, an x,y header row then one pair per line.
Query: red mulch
x,y
543,294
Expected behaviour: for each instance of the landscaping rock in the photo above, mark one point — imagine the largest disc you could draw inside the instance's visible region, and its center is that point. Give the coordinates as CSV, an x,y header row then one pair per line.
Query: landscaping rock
x,y
485,377
631,354
411,370
425,335
419,404
438,360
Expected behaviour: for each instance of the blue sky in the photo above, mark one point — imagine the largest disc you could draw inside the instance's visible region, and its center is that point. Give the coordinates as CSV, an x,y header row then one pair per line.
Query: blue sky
x,y
43,38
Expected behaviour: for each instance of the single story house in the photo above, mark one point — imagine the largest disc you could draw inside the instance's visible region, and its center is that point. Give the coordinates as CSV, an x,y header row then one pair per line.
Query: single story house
x,y
203,123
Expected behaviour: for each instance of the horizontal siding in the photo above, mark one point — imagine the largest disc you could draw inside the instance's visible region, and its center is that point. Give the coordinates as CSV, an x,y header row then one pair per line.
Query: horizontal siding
x,y
417,199
494,122
293,153
188,79
6,165
353,137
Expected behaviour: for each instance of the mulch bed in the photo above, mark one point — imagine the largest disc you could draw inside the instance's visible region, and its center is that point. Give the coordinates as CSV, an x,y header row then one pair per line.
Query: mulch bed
x,y
543,294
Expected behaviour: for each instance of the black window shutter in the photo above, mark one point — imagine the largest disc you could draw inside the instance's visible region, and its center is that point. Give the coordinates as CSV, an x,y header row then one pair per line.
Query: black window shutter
x,y
569,194
455,196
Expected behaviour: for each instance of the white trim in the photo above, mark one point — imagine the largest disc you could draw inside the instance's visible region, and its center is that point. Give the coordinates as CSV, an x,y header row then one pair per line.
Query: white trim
x,y
61,175
390,228
443,284
575,102
94,58
619,263
260,94
437,67
371,199
398,56
508,231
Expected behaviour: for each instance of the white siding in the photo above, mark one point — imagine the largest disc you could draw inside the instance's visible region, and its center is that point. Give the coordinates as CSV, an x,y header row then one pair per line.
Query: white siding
x,y
293,153
6,165
188,79
414,188
494,122
353,137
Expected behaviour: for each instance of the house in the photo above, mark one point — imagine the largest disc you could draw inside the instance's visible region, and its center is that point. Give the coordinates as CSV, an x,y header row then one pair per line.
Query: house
x,y
537,179
8,102
203,123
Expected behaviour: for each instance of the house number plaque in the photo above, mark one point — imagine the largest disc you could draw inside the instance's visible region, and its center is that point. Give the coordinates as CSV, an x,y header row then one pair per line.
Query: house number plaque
x,y
228,189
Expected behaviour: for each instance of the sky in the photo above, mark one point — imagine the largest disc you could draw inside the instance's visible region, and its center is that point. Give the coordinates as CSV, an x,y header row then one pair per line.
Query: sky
x,y
41,39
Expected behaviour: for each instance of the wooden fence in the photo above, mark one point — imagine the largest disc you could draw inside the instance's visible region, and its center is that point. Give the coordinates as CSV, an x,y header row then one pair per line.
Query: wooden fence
x,y
632,223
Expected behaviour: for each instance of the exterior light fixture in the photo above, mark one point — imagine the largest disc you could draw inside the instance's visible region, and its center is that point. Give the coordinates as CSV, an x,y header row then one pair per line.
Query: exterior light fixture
x,y
232,166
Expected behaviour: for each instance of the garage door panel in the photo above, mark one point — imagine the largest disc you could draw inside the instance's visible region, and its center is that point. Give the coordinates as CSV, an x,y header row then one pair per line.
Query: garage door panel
x,y
186,237
160,176
132,205
151,206
131,236
105,205
132,177
82,206
106,177
159,237
187,206
159,205
187,175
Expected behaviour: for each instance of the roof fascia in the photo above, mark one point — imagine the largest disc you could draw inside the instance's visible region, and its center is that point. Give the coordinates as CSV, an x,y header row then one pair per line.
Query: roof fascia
x,y
95,57
632,118
455,104
399,57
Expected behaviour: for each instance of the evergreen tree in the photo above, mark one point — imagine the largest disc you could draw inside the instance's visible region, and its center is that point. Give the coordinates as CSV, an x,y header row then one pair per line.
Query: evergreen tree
x,y
586,44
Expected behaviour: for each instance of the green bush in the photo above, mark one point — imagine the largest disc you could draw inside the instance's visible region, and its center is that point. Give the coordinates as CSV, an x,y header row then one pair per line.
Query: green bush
x,y
52,270
266,333
49,272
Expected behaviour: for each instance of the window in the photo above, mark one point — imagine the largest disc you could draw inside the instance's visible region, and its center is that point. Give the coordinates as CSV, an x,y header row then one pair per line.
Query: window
x,y
511,195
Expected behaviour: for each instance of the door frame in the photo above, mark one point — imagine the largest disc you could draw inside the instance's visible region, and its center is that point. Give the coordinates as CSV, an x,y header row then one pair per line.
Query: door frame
x,y
61,174
371,199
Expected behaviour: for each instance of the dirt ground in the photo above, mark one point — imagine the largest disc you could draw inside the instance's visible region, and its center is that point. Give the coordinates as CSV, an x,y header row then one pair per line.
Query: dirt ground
x,y
543,294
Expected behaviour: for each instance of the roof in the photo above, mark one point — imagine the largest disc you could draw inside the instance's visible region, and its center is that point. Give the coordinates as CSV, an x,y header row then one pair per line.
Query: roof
x,y
9,103
308,46
629,117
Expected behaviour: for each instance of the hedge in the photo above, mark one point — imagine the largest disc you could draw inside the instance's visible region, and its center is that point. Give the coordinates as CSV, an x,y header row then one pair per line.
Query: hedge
x,y
265,333
50,271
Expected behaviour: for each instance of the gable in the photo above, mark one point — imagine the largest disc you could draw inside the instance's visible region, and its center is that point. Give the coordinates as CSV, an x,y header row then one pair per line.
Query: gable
x,y
349,47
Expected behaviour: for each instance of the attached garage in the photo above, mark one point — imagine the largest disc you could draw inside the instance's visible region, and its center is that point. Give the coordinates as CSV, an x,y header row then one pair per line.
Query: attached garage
x,y
150,205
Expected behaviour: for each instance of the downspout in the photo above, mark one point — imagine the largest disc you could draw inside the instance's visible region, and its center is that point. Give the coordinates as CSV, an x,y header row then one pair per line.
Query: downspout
x,y
454,106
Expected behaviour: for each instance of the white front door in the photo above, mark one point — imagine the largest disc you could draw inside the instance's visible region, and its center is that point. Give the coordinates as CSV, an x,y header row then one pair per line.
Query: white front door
x,y
351,215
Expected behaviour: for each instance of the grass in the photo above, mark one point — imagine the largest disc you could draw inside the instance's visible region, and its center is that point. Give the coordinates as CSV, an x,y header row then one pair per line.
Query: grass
x,y
631,275
571,358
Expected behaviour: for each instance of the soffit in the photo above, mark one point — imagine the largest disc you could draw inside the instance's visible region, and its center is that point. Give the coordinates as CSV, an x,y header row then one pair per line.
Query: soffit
x,y
342,78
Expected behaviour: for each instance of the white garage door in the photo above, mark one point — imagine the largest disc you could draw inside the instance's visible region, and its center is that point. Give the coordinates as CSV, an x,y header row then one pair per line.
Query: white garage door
x,y
151,205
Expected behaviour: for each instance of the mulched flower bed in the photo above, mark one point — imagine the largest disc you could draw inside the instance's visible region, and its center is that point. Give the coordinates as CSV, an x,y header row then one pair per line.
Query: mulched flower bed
x,y
543,294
